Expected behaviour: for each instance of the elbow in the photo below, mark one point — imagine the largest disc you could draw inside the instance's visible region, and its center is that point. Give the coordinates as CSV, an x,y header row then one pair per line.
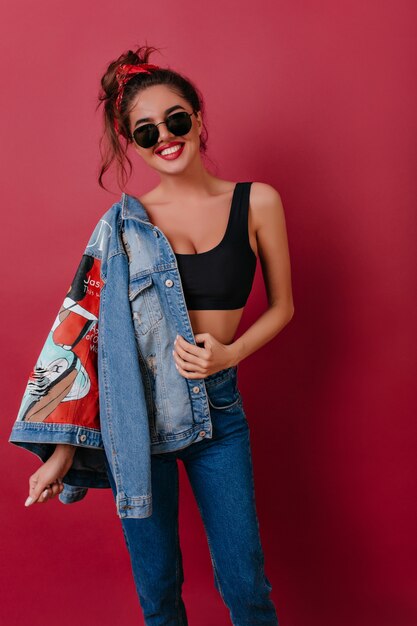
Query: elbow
x,y
284,312
289,313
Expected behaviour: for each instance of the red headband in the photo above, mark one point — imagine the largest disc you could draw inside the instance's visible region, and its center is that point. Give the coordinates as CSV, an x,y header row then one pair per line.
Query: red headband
x,y
124,73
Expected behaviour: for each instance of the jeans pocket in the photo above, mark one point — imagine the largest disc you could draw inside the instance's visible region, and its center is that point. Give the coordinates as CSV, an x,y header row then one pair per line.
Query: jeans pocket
x,y
224,394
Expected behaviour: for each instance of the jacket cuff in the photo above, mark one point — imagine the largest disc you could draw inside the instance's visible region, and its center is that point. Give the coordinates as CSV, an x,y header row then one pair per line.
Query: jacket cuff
x,y
40,434
88,468
72,494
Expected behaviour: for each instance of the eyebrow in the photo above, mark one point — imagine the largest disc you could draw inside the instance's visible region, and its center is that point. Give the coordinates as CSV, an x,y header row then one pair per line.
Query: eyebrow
x,y
149,119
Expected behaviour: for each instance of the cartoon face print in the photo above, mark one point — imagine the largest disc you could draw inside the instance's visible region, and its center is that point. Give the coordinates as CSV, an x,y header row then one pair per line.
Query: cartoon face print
x,y
62,386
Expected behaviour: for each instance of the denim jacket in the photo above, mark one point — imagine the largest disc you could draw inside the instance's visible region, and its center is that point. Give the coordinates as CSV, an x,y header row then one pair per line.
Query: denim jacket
x,y
105,380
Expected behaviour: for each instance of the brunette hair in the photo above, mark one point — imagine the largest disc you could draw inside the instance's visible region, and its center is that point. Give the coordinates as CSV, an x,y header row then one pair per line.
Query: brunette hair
x,y
116,148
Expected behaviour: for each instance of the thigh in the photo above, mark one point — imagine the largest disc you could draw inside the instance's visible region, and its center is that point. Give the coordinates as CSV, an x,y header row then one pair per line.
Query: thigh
x,y
153,541
221,475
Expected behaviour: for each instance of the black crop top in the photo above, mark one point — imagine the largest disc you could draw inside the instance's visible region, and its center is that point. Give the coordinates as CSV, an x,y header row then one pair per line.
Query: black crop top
x,y
222,278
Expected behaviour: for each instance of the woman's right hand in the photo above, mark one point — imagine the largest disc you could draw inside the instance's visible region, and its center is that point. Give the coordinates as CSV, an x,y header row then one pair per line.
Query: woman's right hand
x,y
46,482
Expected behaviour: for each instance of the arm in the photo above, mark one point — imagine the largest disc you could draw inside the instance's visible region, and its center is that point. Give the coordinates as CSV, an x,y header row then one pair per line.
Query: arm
x,y
59,411
269,222
65,449
46,482
269,225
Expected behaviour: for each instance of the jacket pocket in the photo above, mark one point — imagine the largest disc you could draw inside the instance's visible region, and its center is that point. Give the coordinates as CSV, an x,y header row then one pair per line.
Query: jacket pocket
x,y
224,394
145,304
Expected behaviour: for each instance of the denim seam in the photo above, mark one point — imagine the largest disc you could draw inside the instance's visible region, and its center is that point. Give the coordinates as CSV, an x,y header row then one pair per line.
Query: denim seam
x,y
165,393
211,555
177,560
217,377
262,555
148,393
108,409
226,406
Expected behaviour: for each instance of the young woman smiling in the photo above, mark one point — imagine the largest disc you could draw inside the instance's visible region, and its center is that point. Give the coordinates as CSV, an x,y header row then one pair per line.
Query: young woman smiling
x,y
217,229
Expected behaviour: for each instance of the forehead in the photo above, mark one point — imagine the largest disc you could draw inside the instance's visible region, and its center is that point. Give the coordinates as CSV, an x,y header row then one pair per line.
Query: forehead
x,y
153,101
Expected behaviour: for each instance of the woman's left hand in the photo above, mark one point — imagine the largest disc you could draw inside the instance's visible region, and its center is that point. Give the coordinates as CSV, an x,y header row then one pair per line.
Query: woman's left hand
x,y
198,362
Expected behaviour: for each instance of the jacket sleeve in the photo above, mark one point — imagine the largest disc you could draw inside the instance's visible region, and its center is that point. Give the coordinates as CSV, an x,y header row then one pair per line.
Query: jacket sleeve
x,y
60,403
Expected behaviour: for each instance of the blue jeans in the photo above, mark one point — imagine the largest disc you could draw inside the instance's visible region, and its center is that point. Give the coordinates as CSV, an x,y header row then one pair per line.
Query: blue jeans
x,y
221,476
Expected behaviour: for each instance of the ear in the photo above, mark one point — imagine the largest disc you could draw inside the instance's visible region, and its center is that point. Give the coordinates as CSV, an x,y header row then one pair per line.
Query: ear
x,y
199,121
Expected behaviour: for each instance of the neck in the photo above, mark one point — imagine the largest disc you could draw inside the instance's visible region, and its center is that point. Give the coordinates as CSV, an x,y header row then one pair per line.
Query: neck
x,y
190,184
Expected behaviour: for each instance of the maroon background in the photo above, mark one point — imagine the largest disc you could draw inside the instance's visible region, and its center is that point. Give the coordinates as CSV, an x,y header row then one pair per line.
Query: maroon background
x,y
319,100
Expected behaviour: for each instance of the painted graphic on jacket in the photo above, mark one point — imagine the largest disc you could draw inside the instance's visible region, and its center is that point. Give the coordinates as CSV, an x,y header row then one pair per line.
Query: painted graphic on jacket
x,y
63,385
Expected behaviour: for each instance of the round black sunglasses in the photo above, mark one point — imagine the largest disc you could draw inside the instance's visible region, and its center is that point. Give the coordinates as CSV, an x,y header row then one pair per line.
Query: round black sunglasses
x,y
178,124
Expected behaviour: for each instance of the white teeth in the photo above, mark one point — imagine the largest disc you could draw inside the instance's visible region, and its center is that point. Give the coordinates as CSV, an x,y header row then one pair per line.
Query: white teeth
x,y
171,150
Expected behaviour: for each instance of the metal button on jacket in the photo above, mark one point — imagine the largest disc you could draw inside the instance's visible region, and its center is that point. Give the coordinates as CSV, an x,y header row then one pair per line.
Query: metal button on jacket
x,y
169,282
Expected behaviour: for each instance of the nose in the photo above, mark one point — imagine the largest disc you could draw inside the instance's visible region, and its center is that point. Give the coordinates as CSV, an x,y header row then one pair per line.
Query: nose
x,y
164,133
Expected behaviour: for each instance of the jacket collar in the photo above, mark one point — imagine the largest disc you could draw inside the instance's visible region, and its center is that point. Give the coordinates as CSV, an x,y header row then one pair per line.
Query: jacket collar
x,y
132,208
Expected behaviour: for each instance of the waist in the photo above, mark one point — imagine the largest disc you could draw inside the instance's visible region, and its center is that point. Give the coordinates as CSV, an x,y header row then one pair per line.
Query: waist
x,y
224,374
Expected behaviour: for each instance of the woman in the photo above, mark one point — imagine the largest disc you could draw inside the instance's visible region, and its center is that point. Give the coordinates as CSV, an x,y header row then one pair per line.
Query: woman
x,y
216,229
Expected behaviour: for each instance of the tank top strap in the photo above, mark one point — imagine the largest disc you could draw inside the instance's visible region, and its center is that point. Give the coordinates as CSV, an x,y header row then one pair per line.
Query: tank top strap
x,y
240,212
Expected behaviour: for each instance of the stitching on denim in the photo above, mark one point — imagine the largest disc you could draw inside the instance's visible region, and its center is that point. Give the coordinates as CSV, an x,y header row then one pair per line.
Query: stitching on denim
x,y
177,558
162,382
148,391
261,562
216,574
151,302
235,402
177,548
211,555
108,408
219,377
226,406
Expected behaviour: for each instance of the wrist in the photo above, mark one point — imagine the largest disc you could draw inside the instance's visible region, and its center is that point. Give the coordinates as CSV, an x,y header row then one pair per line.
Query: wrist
x,y
65,450
235,350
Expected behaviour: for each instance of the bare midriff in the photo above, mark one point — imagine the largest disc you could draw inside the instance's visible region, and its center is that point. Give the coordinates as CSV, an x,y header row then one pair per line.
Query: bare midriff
x,y
222,324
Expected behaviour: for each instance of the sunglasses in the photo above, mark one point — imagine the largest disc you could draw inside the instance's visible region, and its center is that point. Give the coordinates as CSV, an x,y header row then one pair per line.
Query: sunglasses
x,y
178,124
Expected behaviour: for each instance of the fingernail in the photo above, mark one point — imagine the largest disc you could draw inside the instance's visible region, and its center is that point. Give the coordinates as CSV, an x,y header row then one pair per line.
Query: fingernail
x,y
176,365
45,493
173,352
28,501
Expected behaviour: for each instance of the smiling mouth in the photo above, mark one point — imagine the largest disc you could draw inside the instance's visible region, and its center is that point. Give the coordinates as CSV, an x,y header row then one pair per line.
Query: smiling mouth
x,y
171,152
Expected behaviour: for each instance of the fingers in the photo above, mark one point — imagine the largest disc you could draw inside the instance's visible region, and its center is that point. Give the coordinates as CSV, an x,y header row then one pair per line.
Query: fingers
x,y
189,370
188,350
42,493
51,491
186,360
188,364
54,489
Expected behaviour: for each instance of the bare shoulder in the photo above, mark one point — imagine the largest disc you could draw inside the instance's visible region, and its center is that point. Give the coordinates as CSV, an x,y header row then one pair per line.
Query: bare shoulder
x,y
265,204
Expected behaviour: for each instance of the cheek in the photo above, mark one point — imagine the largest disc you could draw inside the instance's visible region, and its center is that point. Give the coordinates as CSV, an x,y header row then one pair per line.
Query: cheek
x,y
144,154
193,142
148,156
